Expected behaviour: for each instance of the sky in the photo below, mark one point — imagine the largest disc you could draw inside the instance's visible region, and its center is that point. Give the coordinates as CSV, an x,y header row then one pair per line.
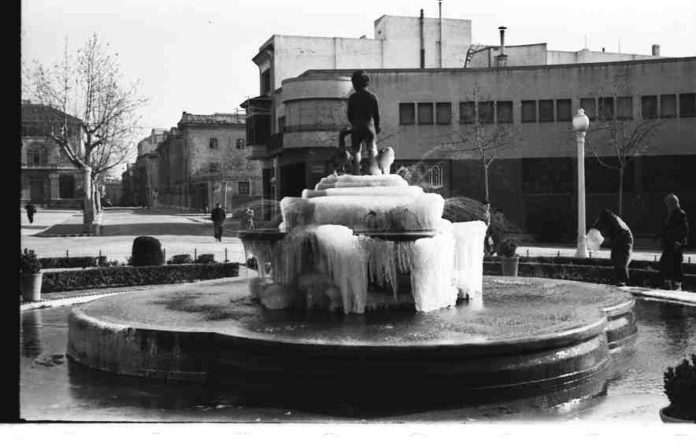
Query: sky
x,y
195,56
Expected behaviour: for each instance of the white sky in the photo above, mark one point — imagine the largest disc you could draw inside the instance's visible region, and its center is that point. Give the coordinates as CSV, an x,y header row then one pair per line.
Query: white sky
x,y
196,55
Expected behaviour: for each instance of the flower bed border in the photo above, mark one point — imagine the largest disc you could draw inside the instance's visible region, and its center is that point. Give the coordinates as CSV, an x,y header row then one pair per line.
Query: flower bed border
x,y
580,271
104,277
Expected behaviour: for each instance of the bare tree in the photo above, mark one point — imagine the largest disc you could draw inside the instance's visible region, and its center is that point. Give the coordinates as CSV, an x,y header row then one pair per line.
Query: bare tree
x,y
619,134
88,85
480,137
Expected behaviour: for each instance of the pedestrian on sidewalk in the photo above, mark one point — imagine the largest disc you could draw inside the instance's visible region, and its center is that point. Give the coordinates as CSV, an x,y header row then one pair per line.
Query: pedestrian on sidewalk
x,y
247,222
218,217
673,239
620,240
31,210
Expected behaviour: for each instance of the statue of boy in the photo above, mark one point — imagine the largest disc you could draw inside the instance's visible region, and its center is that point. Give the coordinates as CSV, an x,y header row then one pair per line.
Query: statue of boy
x,y
363,115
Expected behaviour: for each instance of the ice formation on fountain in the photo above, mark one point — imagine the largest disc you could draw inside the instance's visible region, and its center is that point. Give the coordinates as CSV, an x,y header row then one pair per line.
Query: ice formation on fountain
x,y
342,249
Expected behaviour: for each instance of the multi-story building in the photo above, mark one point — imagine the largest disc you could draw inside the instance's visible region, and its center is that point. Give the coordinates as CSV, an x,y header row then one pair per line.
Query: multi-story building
x,y
427,115
47,176
148,167
204,160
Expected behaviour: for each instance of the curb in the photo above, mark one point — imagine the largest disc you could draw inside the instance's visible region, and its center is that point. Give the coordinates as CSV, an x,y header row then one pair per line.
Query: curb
x,y
67,235
64,301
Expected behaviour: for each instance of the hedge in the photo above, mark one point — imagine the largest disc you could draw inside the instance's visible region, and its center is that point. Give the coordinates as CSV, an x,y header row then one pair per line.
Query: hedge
x,y
74,262
600,274
102,277
689,268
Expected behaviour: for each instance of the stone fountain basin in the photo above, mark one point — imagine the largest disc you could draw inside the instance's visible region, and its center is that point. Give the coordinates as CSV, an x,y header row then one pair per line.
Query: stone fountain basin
x,y
533,334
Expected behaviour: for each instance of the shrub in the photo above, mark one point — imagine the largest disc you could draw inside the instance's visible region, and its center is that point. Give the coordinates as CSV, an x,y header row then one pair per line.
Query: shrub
x,y
207,258
506,248
680,388
134,276
74,262
181,259
251,263
147,250
28,262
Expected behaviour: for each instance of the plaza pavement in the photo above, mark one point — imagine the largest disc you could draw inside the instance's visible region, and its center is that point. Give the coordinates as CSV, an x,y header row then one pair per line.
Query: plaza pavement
x,y
182,232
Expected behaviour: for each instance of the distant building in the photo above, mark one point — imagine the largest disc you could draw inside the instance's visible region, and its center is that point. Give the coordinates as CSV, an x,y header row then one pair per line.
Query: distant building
x,y
112,191
531,89
147,167
204,160
47,176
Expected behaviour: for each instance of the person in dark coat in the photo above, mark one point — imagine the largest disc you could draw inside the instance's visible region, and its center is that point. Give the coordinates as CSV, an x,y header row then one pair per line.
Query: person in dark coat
x,y
620,238
673,239
31,210
363,115
218,217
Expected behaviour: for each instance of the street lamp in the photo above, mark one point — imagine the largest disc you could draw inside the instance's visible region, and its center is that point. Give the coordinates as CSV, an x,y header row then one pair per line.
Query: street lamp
x,y
580,123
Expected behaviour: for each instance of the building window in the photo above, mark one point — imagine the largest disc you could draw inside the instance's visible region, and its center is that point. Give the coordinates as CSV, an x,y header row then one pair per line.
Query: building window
x,y
213,143
36,155
66,186
589,105
668,106
425,113
467,112
443,113
648,107
529,111
546,110
243,188
281,124
241,144
266,82
407,113
486,113
435,176
503,110
214,167
624,108
606,108
563,110
687,105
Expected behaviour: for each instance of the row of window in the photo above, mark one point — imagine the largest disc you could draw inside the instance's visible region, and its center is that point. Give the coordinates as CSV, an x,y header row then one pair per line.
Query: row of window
x,y
549,110
240,143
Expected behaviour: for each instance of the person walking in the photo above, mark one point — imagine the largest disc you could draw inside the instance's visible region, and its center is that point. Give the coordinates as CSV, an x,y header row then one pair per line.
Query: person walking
x,y
673,239
620,238
31,210
218,217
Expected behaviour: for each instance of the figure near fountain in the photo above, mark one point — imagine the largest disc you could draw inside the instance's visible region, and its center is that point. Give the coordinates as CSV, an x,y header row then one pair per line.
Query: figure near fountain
x,y
342,162
363,115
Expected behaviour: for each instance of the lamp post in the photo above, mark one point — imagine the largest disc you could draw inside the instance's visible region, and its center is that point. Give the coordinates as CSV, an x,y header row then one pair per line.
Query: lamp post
x,y
581,123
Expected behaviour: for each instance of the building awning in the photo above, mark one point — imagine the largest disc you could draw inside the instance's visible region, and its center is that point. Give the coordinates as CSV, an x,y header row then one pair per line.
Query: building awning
x,y
262,101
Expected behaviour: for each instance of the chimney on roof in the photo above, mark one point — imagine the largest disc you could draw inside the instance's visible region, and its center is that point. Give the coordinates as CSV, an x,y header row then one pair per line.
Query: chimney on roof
x,y
655,50
502,57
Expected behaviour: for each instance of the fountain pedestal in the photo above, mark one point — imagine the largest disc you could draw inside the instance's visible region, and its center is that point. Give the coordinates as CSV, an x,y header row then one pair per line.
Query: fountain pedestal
x,y
345,244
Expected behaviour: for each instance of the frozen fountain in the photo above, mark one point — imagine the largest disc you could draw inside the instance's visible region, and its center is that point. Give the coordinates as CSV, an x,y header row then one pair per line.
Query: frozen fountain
x,y
366,297
361,243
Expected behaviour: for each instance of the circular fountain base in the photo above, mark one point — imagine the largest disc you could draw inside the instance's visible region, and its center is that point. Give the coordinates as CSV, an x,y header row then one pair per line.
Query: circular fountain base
x,y
532,334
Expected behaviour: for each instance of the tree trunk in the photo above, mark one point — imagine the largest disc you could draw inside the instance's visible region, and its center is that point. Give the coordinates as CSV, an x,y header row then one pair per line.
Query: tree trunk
x,y
97,198
621,177
88,202
485,180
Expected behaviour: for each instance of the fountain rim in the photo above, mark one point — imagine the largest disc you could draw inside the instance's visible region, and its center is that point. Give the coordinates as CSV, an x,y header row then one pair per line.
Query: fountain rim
x,y
493,347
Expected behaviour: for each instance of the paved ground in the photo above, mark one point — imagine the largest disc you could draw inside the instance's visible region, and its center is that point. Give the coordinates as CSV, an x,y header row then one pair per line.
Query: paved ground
x,y
178,232
185,232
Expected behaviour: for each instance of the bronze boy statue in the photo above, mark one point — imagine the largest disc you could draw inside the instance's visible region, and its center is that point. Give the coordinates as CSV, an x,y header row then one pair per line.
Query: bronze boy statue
x,y
363,115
